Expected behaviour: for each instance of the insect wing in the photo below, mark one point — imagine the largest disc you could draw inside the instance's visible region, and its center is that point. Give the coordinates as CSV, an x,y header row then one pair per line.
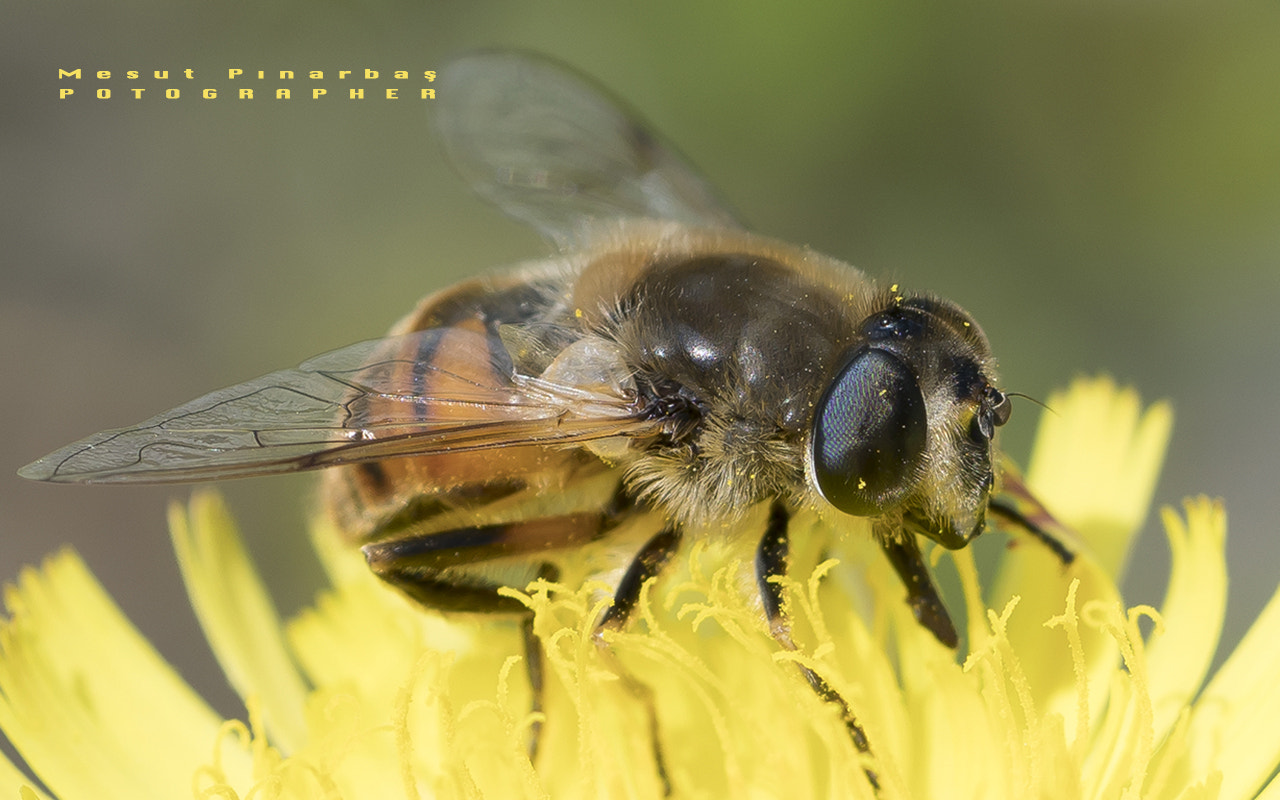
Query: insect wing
x,y
554,150
433,391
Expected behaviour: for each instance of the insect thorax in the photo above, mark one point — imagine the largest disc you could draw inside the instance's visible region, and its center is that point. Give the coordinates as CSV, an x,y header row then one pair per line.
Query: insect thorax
x,y
737,346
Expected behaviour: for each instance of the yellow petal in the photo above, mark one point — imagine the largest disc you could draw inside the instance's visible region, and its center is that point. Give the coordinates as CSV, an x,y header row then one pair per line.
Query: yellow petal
x,y
1194,605
1272,790
237,614
1235,723
384,719
363,618
13,783
92,708
1095,463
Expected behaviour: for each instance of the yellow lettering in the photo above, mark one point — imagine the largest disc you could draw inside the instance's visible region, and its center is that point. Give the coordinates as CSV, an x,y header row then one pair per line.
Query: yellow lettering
x,y
286,74
261,75
132,74
343,73
357,94
282,94
246,94
171,94
190,73
63,94
316,74
162,74
210,94
137,93
401,74
232,74
370,74
104,94
316,94
429,74
104,74
75,73
428,94
391,94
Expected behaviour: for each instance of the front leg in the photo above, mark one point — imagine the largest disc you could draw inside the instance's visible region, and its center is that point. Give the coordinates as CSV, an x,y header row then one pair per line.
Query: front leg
x,y
1018,506
922,596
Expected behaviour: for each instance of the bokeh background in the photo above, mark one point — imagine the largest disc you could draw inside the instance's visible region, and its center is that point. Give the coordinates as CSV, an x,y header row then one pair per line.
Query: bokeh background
x,y
1098,183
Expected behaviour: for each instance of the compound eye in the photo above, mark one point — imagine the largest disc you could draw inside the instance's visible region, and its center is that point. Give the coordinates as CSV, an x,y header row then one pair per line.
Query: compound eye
x,y
869,434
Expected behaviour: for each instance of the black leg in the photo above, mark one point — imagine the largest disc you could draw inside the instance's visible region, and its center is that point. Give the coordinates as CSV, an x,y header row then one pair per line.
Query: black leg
x,y
647,564
922,595
444,570
771,563
1038,531
1017,505
534,657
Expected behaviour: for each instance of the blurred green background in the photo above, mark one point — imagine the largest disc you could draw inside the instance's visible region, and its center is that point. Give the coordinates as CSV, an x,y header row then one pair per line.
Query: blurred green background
x,y
1098,183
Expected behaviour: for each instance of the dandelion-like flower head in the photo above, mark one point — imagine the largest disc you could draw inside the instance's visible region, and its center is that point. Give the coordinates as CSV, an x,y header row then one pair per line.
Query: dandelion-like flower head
x,y
1060,689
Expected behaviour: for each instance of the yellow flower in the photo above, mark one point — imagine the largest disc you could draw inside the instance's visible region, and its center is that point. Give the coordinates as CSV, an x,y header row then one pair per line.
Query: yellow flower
x,y
1061,691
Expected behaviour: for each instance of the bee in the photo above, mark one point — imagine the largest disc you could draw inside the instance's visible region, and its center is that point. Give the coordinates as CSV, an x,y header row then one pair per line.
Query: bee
x,y
665,362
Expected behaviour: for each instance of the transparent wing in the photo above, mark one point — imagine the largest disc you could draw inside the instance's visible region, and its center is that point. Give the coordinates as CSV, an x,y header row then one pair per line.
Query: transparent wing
x,y
551,148
439,390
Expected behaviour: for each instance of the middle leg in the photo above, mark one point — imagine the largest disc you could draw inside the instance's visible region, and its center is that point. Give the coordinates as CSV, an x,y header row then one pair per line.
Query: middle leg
x,y
647,564
771,564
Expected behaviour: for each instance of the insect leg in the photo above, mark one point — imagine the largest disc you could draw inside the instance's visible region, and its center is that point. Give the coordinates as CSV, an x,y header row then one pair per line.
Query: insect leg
x,y
647,564
1038,530
432,569
771,564
1017,505
533,661
904,554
